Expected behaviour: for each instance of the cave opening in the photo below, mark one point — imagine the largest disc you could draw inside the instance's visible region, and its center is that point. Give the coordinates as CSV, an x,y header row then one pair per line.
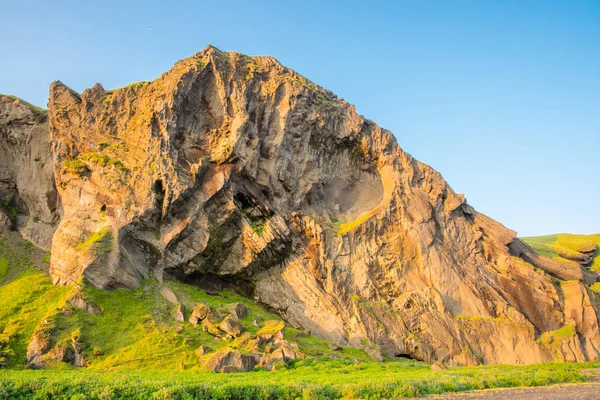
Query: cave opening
x,y
159,192
406,356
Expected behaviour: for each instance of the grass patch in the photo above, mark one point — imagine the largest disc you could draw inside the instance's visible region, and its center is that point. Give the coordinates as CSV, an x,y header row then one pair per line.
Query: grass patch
x,y
103,160
351,225
3,267
94,238
595,287
27,295
36,108
135,85
553,339
565,331
74,166
560,247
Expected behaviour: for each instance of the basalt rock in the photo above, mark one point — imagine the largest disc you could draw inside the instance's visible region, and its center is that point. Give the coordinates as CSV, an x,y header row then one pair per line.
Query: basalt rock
x,y
235,171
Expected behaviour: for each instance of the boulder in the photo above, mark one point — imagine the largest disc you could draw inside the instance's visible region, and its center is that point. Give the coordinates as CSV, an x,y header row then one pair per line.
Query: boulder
x,y
438,367
168,295
238,310
230,361
232,326
42,348
40,343
211,328
270,332
333,346
178,313
285,352
199,312
215,316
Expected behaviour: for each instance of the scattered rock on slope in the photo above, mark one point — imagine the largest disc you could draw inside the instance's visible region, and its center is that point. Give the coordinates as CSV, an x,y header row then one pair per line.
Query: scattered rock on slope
x,y
199,313
231,326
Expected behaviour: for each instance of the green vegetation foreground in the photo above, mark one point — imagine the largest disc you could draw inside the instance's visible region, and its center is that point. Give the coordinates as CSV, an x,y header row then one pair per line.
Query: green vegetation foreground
x,y
306,379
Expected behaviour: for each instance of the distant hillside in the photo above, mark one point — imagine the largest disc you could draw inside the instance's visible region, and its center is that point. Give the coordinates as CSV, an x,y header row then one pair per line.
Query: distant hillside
x,y
568,248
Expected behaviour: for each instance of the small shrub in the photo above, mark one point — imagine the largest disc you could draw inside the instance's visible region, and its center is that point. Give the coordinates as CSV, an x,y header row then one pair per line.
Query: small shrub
x,y
75,166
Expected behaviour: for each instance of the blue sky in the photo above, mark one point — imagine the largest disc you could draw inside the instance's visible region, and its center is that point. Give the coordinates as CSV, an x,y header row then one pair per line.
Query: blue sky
x,y
502,97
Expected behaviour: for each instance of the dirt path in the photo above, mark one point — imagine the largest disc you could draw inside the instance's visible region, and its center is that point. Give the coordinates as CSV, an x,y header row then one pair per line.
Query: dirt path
x,y
580,391
575,391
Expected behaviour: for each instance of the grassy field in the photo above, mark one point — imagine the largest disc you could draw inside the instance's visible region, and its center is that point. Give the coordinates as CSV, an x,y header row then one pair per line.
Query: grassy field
x,y
565,244
307,379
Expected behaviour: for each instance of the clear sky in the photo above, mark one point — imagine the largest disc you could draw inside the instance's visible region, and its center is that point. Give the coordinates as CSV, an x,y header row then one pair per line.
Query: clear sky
x,y
502,97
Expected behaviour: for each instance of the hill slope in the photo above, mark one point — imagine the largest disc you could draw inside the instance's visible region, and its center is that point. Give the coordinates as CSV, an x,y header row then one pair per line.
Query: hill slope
x,y
569,248
128,329
235,172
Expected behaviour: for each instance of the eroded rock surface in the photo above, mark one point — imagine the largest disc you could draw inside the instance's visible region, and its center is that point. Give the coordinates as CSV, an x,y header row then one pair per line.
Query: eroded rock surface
x,y
235,171
29,201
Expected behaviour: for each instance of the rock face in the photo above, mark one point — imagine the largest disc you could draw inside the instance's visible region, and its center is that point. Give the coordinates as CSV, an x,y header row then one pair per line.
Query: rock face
x,y
235,171
43,348
29,201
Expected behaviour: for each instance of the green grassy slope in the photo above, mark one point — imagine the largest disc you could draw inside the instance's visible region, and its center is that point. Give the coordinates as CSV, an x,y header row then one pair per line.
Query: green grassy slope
x,y
565,244
26,297
135,329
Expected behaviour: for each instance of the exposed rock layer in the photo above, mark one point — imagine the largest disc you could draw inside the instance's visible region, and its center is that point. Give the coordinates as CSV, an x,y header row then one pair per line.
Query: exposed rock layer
x,y
234,170
28,199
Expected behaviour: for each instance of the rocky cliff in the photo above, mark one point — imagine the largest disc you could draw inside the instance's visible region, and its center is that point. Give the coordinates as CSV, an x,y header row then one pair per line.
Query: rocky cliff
x,y
29,201
235,171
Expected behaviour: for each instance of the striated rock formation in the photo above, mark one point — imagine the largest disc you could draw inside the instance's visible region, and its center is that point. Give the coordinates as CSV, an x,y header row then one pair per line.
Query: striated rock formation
x,y
235,171
28,199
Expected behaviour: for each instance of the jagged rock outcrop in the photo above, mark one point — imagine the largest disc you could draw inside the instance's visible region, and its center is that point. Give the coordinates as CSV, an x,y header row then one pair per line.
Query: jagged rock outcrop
x,y
29,201
44,348
235,171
